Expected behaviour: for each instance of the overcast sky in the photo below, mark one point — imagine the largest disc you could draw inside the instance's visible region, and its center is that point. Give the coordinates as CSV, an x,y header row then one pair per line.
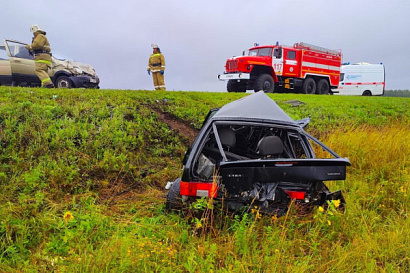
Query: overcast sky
x,y
196,37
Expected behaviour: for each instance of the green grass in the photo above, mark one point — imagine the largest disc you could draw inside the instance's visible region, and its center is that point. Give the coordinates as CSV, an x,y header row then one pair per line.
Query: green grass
x,y
103,156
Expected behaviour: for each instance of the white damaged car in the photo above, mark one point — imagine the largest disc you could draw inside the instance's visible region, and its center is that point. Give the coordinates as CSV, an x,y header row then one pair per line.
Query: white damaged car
x,y
17,69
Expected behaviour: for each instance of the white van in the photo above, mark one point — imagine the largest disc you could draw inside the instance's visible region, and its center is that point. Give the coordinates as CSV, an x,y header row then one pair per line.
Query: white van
x,y
361,79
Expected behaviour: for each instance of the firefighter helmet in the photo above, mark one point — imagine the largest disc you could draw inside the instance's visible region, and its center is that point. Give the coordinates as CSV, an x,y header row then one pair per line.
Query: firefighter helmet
x,y
35,28
154,46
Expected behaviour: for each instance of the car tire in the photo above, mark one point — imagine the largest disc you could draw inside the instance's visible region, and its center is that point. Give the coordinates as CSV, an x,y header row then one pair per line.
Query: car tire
x,y
323,87
174,198
63,82
309,86
264,82
367,93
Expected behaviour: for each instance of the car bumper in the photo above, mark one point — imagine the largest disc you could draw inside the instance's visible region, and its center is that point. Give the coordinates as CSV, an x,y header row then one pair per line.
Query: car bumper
x,y
234,76
85,81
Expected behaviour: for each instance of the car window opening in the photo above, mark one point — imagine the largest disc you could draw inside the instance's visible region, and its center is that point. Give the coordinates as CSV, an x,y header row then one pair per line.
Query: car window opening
x,y
248,142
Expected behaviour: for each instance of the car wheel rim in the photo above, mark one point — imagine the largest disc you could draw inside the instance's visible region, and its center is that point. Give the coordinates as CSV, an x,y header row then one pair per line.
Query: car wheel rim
x,y
63,84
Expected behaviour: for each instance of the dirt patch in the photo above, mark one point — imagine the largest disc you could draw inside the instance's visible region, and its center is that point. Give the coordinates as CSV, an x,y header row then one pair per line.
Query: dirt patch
x,y
125,187
182,128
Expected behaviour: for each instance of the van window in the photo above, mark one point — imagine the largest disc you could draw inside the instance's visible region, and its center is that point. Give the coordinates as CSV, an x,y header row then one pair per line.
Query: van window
x,y
342,76
291,55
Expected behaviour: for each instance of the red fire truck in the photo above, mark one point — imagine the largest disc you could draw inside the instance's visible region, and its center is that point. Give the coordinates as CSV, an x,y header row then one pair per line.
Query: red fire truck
x,y
275,68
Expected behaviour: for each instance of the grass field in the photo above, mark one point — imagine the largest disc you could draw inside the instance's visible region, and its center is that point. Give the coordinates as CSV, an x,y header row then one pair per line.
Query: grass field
x,y
82,179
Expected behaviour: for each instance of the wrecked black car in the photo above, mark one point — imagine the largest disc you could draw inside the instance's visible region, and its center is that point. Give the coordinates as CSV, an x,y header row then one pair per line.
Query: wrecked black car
x,y
251,153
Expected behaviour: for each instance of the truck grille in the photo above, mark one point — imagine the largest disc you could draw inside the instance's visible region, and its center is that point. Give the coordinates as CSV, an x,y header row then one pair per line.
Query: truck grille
x,y
231,65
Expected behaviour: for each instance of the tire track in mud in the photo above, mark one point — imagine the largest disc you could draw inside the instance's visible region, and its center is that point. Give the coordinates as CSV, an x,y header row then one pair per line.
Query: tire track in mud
x,y
182,128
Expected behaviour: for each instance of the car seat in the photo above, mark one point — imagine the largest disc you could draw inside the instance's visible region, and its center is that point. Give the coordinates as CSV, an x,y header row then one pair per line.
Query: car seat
x,y
270,147
227,137
228,140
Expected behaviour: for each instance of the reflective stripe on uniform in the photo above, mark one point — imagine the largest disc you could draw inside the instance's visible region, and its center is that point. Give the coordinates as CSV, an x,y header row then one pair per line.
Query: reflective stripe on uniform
x,y
45,80
43,61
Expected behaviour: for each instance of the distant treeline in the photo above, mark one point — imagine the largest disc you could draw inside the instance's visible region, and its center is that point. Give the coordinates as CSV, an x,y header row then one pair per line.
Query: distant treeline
x,y
397,93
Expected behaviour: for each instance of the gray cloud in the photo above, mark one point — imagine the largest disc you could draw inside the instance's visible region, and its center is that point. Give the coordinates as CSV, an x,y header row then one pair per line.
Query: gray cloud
x,y
196,37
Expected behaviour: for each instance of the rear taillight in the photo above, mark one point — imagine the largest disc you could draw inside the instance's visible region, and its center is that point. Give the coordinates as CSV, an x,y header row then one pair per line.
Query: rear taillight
x,y
300,195
198,189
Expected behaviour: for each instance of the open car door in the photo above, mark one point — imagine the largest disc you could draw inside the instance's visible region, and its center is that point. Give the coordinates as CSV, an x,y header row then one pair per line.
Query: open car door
x,y
22,64
5,68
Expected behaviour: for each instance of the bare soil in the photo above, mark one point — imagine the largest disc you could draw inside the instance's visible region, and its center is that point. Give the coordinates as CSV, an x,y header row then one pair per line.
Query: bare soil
x,y
124,187
184,129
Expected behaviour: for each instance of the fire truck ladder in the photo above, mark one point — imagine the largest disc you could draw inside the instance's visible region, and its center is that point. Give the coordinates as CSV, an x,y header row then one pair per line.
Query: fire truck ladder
x,y
302,45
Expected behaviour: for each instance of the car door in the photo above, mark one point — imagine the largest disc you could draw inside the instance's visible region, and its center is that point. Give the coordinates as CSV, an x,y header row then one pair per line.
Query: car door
x,y
5,68
22,64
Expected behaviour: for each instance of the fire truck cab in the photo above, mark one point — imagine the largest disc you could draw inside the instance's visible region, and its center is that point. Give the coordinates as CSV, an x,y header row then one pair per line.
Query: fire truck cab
x,y
301,68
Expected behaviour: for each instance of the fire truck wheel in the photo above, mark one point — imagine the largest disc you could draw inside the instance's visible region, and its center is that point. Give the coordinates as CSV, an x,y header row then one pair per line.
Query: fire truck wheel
x,y
174,198
235,86
264,82
309,86
323,87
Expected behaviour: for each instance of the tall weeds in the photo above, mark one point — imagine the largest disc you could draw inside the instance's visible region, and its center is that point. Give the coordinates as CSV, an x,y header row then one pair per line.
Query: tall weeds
x,y
81,179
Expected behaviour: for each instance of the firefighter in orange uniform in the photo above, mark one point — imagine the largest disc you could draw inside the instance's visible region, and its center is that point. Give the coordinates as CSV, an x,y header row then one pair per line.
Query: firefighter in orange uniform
x,y
156,66
42,55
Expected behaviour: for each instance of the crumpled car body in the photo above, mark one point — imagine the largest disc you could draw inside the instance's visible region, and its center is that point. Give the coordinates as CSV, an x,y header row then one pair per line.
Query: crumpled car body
x,y
251,153
17,69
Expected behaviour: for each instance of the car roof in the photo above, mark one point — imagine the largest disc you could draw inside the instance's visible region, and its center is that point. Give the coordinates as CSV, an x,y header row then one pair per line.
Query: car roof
x,y
257,106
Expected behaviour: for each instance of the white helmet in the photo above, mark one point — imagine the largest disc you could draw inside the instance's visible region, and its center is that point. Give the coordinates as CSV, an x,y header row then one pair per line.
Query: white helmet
x,y
35,28
154,46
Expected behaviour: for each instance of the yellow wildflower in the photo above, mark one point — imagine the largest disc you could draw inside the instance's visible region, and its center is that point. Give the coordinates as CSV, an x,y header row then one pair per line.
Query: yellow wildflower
x,y
336,203
198,224
329,223
402,189
68,216
258,215
321,209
